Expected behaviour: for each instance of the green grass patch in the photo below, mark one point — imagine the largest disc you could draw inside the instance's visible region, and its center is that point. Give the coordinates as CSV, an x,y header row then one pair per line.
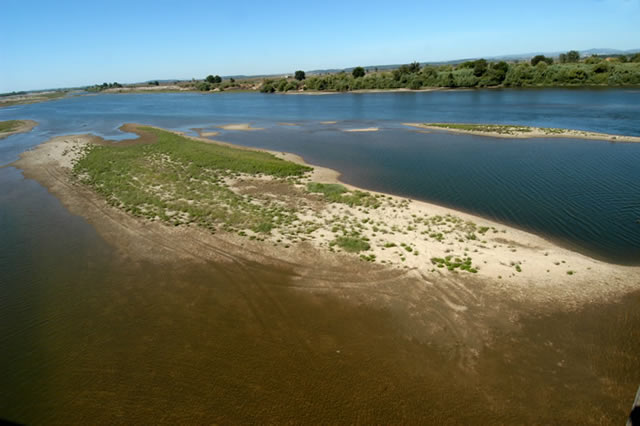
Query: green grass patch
x,y
487,128
329,190
9,125
336,193
452,263
352,244
180,180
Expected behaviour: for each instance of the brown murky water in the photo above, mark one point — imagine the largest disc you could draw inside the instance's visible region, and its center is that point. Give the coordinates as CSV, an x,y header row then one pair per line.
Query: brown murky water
x,y
90,337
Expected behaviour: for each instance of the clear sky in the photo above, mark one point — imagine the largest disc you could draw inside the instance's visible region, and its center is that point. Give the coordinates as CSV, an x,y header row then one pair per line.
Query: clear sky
x,y
46,44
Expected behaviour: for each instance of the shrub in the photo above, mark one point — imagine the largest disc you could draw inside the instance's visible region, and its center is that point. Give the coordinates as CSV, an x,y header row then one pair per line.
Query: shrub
x,y
358,72
352,244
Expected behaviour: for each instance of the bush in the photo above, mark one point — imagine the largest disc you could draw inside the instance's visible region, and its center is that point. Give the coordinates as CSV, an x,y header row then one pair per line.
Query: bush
x,y
267,88
352,244
541,58
358,72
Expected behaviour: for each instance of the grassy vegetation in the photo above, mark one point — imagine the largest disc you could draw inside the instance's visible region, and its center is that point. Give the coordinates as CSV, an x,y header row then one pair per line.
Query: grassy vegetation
x,y
489,128
452,263
503,129
9,125
336,193
30,98
353,244
179,180
329,190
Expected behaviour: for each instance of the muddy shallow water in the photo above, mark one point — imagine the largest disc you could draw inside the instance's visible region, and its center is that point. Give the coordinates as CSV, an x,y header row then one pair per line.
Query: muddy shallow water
x,y
89,336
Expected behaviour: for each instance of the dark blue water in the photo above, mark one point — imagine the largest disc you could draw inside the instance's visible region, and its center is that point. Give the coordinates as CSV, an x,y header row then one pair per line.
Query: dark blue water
x,y
583,194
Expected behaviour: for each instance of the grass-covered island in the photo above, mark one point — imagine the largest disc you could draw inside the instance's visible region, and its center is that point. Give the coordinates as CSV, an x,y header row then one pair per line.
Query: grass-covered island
x,y
11,127
521,132
205,199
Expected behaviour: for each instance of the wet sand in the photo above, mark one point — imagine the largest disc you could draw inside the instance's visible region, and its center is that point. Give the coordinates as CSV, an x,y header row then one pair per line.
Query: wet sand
x,y
239,126
222,331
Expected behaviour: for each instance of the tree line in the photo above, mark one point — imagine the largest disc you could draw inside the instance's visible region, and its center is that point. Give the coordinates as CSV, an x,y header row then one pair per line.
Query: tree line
x,y
568,70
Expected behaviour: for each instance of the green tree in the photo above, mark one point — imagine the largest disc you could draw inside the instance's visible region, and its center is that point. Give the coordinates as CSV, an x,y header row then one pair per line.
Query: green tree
x,y
540,58
210,79
267,88
414,67
358,72
573,56
217,79
300,75
480,67
450,81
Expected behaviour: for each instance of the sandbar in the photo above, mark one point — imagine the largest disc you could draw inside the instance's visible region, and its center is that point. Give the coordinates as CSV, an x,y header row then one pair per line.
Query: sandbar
x,y
521,132
22,127
404,237
366,129
240,126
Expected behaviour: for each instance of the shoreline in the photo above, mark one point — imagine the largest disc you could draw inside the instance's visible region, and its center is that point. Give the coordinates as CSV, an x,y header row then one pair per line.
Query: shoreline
x,y
405,237
24,127
525,132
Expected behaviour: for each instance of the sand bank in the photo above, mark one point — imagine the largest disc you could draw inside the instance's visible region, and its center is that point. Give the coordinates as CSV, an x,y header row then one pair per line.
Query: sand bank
x,y
240,126
405,331
366,129
23,127
404,237
525,132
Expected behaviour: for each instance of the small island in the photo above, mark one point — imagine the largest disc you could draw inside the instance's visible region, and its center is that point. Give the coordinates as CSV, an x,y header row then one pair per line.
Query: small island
x,y
521,132
213,200
12,127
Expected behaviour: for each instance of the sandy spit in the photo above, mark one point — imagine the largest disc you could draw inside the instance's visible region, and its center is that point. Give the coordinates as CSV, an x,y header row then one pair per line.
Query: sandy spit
x,y
240,126
511,263
25,126
366,129
535,132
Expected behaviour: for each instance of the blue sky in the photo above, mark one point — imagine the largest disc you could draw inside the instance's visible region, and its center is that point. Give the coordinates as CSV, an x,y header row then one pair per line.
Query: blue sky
x,y
45,44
